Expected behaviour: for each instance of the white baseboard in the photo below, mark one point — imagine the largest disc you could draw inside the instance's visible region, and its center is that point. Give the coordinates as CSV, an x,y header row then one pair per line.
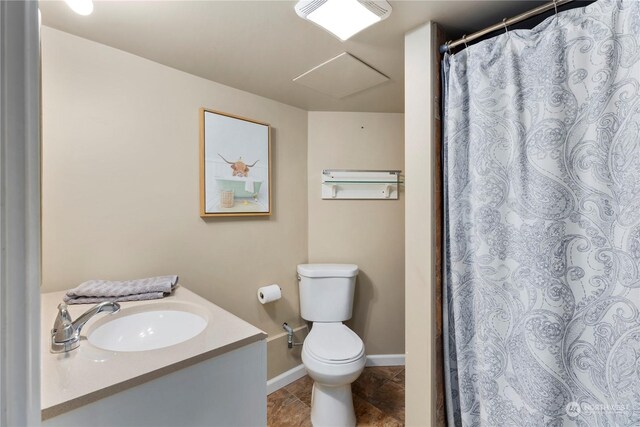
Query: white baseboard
x,y
293,374
385,360
285,378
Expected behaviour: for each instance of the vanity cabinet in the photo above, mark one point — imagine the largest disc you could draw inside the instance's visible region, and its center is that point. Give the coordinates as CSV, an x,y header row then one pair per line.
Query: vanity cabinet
x,y
215,379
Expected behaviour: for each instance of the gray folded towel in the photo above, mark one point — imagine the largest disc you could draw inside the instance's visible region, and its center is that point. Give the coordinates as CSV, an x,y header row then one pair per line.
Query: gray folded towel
x,y
94,291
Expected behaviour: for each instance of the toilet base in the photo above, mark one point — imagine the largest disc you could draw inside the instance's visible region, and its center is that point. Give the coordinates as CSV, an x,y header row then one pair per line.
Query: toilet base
x,y
332,406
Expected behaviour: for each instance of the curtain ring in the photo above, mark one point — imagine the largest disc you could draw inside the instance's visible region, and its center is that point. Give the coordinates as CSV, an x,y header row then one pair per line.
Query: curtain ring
x,y
555,5
506,29
464,40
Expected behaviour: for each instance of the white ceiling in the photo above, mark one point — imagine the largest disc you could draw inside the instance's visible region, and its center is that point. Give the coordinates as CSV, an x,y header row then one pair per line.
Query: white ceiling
x,y
260,46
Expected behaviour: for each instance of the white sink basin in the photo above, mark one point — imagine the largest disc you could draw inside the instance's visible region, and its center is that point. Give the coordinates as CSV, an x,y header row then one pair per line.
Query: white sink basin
x,y
145,330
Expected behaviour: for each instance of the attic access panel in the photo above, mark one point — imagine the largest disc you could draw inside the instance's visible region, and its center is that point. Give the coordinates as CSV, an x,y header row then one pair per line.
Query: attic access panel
x,y
341,76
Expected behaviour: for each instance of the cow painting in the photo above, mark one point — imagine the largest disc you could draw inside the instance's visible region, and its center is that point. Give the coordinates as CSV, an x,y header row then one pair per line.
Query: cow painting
x,y
240,168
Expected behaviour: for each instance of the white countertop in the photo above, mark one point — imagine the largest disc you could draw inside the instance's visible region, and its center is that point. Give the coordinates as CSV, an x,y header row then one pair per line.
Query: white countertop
x,y
86,374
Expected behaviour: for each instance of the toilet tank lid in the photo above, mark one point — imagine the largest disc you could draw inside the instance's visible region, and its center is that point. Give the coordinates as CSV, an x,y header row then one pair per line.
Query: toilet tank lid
x,y
328,270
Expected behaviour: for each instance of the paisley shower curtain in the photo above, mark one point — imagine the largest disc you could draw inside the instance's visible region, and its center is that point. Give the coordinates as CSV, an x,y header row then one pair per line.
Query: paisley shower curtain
x,y
542,223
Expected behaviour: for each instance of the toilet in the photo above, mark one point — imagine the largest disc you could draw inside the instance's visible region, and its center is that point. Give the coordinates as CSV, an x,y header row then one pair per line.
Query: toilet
x,y
332,354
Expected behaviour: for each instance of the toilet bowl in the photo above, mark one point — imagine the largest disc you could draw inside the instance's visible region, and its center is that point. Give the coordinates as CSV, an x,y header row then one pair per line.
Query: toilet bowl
x,y
334,357
332,354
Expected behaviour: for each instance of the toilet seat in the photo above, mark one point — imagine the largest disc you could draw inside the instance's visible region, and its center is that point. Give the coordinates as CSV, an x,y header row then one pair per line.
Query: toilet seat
x,y
333,343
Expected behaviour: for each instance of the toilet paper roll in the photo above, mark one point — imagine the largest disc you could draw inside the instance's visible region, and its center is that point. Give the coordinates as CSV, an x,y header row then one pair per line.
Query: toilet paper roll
x,y
267,294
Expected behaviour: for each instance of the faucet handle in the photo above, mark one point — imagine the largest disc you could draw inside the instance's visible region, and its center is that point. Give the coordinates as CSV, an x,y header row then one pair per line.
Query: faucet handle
x,y
63,313
63,326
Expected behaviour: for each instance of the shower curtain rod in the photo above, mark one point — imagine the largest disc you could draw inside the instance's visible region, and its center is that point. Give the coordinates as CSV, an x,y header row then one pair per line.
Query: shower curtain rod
x,y
504,24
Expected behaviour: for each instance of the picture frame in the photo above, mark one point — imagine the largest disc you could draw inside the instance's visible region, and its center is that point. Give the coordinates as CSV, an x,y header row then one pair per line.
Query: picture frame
x,y
235,165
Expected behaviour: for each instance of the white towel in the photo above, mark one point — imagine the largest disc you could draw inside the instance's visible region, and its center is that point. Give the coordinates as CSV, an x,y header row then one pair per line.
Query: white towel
x,y
248,186
94,291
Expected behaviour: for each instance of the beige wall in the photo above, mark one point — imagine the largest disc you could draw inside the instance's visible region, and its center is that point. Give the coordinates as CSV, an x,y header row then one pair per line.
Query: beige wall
x,y
420,319
120,193
369,233
120,183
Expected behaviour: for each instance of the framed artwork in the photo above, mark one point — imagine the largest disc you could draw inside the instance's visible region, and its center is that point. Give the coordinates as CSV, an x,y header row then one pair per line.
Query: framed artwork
x,y
235,165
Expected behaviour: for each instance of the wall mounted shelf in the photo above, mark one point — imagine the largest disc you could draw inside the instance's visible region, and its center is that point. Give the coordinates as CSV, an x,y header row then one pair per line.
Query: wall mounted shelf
x,y
360,184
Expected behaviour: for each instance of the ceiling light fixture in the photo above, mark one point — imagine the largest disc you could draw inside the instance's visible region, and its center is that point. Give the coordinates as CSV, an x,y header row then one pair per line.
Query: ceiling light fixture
x,y
343,18
81,7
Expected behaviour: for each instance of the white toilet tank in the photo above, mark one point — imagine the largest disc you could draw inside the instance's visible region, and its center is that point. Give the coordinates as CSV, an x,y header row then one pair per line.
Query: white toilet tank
x,y
326,291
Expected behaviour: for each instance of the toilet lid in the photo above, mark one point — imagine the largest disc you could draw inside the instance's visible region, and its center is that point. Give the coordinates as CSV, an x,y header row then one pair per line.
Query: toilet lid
x,y
334,342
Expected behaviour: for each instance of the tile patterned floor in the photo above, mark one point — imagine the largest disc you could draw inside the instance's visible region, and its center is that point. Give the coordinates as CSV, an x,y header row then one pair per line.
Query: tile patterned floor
x,y
378,399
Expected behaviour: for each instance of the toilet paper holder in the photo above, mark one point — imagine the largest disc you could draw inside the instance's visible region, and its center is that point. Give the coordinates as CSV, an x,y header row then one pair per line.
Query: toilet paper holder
x,y
270,293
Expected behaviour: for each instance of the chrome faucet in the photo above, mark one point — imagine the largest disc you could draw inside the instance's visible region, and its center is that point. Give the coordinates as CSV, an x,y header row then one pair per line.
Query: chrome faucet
x,y
65,335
